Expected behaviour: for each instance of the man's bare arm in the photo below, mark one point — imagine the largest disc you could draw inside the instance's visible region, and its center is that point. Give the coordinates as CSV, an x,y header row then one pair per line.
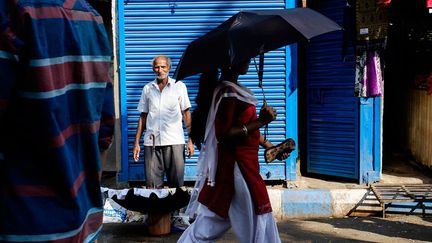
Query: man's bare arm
x,y
140,128
187,118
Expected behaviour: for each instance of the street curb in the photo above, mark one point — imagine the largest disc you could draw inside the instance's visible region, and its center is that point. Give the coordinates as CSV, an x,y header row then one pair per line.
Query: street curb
x,y
314,203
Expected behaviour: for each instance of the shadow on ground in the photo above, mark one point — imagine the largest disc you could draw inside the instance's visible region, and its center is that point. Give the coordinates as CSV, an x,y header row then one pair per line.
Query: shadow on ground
x,y
351,229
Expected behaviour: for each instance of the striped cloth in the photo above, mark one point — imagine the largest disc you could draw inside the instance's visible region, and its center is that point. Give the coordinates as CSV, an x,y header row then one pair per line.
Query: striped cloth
x,y
56,115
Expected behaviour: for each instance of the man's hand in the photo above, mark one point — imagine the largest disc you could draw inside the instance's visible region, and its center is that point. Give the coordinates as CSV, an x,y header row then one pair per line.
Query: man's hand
x,y
190,148
136,152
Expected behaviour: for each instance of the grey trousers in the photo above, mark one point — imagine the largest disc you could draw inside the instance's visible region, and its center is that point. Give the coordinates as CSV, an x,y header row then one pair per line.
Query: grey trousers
x,y
162,160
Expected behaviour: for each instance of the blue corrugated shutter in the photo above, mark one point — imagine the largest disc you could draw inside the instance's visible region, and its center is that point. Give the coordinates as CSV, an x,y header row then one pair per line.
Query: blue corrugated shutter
x,y
149,28
332,108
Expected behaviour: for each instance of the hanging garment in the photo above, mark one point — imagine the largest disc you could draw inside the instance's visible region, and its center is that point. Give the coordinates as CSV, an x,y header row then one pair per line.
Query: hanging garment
x,y
369,78
371,20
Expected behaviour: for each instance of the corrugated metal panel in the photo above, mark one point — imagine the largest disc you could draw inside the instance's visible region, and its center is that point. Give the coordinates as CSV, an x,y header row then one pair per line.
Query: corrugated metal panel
x,y
332,108
150,28
419,127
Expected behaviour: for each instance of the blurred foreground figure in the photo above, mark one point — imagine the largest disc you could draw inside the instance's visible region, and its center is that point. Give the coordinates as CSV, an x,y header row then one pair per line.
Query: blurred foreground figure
x,y
56,116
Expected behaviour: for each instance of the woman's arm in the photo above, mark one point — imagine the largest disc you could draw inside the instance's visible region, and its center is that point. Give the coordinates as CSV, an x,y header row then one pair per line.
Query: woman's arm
x,y
227,113
264,142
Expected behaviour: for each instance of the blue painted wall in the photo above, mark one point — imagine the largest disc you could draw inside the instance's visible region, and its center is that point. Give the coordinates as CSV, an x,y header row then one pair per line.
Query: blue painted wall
x,y
343,131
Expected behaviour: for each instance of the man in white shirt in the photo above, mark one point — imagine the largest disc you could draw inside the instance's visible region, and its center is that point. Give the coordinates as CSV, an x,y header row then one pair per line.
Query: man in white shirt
x,y
162,104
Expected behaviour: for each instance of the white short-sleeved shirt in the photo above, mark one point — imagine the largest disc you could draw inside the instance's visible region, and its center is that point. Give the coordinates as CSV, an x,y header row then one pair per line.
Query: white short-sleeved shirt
x,y
164,118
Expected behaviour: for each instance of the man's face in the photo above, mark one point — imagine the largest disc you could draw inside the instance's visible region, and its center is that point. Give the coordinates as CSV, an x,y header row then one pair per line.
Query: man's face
x,y
161,68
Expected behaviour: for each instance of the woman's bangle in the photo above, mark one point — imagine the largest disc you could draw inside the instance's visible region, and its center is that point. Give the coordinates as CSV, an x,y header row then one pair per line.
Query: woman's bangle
x,y
245,130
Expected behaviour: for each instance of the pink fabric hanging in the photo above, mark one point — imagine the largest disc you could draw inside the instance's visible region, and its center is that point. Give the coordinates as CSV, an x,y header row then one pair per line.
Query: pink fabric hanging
x,y
369,79
374,80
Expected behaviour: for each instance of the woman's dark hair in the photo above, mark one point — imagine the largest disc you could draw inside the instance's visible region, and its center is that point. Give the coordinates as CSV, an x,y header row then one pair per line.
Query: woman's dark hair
x,y
207,84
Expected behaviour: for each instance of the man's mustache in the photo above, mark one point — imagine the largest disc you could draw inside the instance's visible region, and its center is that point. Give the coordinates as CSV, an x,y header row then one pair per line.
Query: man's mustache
x,y
162,76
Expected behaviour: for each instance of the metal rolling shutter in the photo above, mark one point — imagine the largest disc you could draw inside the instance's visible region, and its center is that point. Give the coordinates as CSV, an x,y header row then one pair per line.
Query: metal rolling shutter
x,y
332,108
149,28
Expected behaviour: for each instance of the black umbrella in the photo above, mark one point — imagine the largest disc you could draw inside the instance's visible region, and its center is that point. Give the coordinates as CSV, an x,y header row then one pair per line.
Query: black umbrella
x,y
249,33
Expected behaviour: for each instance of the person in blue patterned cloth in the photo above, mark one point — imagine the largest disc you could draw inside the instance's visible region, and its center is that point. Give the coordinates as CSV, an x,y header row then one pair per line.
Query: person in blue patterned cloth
x,y
56,116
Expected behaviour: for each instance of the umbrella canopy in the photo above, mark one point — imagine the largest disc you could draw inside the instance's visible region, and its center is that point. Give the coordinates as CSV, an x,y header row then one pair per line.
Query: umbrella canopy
x,y
249,33
150,200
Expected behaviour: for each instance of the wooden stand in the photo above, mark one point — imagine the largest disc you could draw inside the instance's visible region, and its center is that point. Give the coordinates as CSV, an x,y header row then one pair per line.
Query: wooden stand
x,y
159,224
418,194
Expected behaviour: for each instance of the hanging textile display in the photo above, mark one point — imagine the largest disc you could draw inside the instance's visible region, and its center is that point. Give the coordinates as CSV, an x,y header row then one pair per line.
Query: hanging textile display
x,y
369,78
371,20
371,27
383,3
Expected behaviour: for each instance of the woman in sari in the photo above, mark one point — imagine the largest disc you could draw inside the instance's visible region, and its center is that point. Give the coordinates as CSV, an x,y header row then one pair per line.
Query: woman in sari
x,y
230,191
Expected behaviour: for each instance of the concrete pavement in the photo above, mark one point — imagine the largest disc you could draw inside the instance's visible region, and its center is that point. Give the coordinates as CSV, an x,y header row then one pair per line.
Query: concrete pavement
x,y
314,210
395,228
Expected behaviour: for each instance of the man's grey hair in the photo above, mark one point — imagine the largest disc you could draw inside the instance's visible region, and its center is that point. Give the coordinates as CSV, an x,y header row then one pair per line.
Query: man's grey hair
x,y
168,60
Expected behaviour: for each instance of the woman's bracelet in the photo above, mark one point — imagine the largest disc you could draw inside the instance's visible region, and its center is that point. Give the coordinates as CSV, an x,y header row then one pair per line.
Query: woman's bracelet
x,y
245,130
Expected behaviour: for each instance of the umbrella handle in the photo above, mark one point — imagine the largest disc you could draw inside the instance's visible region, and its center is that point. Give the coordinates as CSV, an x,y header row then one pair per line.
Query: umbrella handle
x,y
261,69
260,72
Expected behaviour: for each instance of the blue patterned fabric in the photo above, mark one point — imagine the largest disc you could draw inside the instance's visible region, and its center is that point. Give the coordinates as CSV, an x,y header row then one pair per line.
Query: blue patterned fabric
x,y
56,115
